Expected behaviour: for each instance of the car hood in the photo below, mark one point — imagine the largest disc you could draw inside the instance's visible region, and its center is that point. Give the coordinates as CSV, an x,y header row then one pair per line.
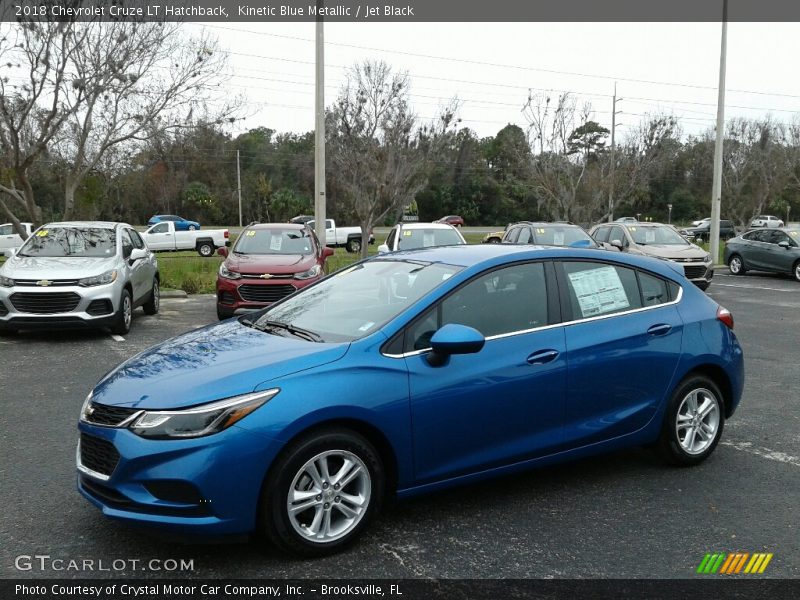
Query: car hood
x,y
673,252
270,263
44,267
219,361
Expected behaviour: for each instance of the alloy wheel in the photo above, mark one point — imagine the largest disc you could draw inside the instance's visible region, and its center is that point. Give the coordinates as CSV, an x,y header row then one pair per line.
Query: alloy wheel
x,y
697,421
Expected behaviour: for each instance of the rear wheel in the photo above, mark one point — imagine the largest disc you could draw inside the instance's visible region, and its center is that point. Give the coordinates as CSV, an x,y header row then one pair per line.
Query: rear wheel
x,y
321,492
192,227
693,422
354,245
205,248
796,270
736,265
124,316
152,305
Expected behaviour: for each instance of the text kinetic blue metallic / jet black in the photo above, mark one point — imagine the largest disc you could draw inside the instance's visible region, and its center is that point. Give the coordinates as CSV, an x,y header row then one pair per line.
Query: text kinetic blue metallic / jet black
x,y
403,374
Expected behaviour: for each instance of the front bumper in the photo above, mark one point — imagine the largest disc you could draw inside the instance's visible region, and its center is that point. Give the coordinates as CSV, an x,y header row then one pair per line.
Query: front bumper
x,y
207,486
253,294
59,306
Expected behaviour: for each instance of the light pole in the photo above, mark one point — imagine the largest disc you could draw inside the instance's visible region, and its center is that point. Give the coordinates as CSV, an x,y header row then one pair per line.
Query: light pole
x,y
716,192
319,131
613,152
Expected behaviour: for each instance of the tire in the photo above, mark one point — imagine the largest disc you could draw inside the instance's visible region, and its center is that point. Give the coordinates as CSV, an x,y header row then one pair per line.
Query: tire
x,y
494,241
289,478
192,228
354,245
153,304
205,249
736,265
796,270
223,313
681,442
124,316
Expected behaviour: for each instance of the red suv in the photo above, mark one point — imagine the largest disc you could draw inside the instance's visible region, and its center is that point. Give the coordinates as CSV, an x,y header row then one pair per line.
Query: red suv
x,y
454,220
268,262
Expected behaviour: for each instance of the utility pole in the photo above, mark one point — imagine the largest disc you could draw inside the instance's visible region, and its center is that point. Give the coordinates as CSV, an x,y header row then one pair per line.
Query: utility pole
x,y
613,152
239,186
319,132
716,191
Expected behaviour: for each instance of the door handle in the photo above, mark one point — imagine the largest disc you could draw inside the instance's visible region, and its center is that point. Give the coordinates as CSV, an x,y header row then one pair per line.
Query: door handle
x,y
660,329
542,357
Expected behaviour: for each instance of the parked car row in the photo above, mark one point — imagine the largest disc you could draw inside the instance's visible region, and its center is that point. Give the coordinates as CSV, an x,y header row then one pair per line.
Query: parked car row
x,y
772,250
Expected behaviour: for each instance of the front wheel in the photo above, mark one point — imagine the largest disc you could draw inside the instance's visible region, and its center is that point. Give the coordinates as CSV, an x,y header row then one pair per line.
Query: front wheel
x,y
354,245
205,249
693,422
736,265
124,316
321,493
796,270
152,305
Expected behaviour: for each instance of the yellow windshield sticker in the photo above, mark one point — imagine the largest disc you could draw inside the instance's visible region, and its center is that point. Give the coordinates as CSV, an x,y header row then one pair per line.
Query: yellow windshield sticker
x,y
250,233
631,228
540,230
407,233
793,233
42,233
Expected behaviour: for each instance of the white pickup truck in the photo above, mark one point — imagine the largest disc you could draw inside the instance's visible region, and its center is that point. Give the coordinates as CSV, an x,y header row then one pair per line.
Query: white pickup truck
x,y
349,237
162,236
9,238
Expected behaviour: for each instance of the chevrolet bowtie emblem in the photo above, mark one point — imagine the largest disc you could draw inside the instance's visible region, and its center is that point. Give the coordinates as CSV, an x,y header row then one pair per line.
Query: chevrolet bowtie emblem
x,y
43,282
266,276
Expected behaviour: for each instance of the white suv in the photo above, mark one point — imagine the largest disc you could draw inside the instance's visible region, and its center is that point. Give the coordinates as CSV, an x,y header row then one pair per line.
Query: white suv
x,y
409,236
766,221
91,273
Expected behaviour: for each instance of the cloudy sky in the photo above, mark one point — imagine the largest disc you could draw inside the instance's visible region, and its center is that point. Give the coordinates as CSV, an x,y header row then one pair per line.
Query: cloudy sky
x,y
658,67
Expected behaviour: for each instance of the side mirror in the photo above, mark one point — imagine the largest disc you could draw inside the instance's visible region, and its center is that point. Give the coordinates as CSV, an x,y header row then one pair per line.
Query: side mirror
x,y
784,244
383,249
617,244
138,253
327,252
454,339
222,251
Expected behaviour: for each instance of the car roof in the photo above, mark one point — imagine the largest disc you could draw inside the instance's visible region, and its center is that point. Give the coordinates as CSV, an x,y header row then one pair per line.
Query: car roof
x,y
417,225
94,224
297,226
547,224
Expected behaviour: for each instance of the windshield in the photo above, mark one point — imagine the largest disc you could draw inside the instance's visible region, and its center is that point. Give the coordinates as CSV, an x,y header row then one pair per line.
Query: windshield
x,y
274,241
357,301
425,238
71,241
560,236
662,236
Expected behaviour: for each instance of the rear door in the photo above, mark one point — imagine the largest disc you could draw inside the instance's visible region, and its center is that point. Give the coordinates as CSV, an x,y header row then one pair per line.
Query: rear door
x,y
623,340
503,404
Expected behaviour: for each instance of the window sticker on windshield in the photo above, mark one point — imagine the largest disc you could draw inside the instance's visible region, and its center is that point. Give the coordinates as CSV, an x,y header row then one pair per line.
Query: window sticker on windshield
x,y
42,233
251,233
599,291
540,230
275,242
649,236
793,233
366,326
631,228
407,233
558,238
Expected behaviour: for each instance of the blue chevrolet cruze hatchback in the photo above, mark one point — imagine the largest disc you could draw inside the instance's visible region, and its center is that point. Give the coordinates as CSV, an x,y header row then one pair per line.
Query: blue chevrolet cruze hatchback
x,y
405,374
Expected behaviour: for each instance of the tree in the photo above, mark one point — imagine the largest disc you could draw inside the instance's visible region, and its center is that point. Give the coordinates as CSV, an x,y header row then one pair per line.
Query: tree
x,y
377,147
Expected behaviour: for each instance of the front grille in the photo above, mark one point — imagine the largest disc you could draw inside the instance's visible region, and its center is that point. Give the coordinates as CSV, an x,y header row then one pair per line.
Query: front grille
x,y
3,310
693,272
50,282
108,416
260,276
100,307
265,293
98,455
46,303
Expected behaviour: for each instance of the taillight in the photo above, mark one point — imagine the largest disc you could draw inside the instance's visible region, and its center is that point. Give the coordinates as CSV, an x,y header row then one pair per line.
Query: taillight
x,y
226,234
724,315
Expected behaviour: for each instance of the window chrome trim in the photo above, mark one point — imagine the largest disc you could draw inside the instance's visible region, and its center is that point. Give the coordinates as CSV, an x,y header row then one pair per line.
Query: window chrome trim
x,y
87,470
554,325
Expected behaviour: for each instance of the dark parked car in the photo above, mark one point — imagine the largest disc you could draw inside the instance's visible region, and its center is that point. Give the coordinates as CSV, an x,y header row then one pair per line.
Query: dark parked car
x,y
548,234
453,220
404,374
181,224
774,250
702,233
268,262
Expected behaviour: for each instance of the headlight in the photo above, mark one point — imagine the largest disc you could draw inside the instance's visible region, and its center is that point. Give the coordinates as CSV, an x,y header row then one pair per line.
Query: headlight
x,y
228,274
105,278
199,421
312,272
707,258
6,281
85,407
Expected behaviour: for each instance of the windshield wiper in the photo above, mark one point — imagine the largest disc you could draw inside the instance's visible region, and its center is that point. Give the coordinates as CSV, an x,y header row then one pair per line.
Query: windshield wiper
x,y
296,331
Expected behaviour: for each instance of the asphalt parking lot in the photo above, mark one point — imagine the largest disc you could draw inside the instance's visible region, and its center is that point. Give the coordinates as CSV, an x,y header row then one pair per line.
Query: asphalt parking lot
x,y
623,515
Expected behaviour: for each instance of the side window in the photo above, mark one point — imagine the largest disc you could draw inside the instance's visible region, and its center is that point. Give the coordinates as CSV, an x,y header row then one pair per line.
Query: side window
x,y
391,238
501,301
160,228
601,235
328,224
512,235
524,236
618,234
776,237
137,240
597,289
127,244
654,290
6,229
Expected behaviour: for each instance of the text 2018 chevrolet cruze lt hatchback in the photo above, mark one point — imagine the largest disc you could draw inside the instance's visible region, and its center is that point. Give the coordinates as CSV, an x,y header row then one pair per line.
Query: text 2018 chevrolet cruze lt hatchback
x,y
405,374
